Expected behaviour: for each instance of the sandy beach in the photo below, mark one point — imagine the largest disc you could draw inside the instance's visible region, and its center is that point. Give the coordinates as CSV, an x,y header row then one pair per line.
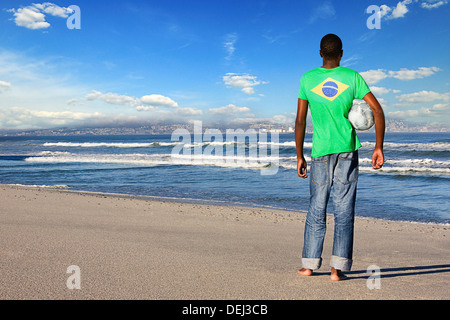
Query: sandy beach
x,y
137,248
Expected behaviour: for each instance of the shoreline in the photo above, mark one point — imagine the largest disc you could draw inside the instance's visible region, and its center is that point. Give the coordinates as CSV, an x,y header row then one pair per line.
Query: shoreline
x,y
131,248
63,188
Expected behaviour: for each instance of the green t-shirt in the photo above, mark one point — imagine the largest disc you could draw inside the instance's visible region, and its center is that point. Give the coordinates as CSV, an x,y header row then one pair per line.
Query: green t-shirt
x,y
330,94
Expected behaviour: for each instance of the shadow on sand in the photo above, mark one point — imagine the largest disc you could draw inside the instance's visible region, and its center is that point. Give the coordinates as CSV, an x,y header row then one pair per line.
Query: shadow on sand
x,y
401,272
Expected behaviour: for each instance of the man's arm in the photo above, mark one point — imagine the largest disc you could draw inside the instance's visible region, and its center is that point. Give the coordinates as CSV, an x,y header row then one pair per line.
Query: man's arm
x,y
300,129
378,156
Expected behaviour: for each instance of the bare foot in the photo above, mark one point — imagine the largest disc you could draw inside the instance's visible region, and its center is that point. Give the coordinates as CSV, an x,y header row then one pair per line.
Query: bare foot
x,y
337,275
304,272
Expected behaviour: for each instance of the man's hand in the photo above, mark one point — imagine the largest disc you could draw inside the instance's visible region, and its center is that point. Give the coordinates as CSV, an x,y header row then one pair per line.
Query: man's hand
x,y
377,159
380,128
300,129
301,168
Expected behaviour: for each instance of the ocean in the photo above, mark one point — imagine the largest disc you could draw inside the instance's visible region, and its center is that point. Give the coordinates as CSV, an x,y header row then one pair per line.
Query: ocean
x,y
412,186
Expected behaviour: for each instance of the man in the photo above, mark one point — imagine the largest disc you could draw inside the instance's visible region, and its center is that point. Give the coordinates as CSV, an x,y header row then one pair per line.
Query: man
x,y
329,91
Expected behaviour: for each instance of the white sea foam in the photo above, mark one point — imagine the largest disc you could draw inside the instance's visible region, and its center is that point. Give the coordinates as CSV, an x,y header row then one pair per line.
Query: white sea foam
x,y
211,143
169,144
411,162
52,153
232,161
109,144
435,146
406,166
56,186
407,170
251,159
389,170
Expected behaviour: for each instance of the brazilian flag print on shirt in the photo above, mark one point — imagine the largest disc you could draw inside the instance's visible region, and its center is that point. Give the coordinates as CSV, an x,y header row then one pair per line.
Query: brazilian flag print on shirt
x,y
330,94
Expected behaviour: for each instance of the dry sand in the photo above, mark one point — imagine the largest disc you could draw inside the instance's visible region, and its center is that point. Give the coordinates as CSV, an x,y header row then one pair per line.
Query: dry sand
x,y
128,248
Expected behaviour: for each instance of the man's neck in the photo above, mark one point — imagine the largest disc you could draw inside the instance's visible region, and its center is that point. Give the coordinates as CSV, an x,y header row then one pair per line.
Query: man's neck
x,y
330,64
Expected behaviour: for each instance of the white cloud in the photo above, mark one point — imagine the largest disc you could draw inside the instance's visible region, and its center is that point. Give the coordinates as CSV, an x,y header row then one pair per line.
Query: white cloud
x,y
145,108
66,115
323,11
4,86
401,9
30,18
395,12
384,10
230,40
117,99
158,100
112,98
433,4
44,96
229,110
189,111
405,74
276,119
237,80
93,95
24,118
403,115
244,121
17,68
74,102
245,81
442,107
248,90
33,16
375,76
350,61
149,103
438,112
381,90
282,119
36,84
383,102
146,103
54,9
179,112
421,97
170,115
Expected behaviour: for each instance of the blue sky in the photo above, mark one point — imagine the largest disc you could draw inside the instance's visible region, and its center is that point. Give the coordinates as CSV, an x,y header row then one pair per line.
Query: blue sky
x,y
221,61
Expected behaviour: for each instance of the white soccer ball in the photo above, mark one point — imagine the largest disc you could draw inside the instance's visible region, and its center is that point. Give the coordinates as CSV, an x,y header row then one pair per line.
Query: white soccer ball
x,y
361,116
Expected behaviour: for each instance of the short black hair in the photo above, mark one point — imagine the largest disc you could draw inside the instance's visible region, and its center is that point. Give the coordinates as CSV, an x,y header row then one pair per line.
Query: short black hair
x,y
331,46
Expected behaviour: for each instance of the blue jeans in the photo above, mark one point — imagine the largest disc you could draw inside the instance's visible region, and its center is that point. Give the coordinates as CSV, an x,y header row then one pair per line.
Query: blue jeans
x,y
339,171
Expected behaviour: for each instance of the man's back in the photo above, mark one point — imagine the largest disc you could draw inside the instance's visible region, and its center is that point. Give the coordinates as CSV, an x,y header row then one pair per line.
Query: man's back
x,y
330,94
